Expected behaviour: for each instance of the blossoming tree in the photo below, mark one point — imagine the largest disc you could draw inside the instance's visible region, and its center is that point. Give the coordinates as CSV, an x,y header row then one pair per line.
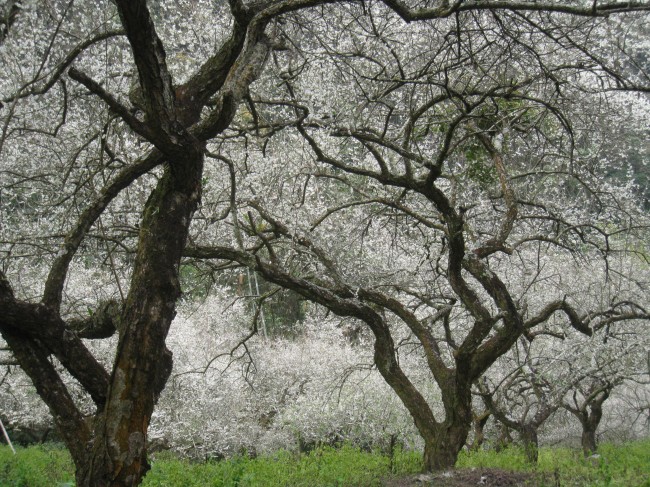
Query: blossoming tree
x,y
134,134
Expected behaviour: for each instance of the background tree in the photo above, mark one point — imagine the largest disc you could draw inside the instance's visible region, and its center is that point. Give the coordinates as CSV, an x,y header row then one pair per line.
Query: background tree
x,y
576,374
527,400
453,179
614,366
588,409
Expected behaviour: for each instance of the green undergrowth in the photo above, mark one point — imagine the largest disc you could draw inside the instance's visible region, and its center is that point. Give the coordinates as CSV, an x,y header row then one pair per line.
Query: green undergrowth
x,y
624,465
618,465
47,465
322,467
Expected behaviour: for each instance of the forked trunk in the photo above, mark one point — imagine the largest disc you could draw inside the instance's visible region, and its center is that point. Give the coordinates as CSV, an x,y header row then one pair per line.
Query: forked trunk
x,y
589,416
590,424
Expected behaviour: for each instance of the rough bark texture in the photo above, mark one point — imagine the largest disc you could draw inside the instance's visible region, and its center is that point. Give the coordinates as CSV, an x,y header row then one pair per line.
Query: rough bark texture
x,y
150,307
442,448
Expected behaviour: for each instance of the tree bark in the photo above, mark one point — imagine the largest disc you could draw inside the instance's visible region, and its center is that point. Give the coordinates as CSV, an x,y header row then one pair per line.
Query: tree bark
x,y
441,451
530,441
588,441
119,456
444,440
442,448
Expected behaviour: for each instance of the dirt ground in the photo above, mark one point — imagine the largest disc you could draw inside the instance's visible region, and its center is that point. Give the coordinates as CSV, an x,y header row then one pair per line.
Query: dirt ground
x,y
487,477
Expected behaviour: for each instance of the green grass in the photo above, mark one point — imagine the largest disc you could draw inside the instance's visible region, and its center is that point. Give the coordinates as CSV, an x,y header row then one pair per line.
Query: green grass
x,y
347,466
619,465
47,465
626,465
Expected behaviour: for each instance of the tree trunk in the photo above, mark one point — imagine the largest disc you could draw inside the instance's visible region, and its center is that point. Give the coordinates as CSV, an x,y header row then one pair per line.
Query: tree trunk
x,y
589,445
590,424
118,457
531,443
504,440
441,449
479,421
589,414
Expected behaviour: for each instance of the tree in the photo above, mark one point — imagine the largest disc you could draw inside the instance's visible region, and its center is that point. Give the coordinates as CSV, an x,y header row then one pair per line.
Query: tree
x,y
91,180
530,396
112,449
577,375
453,182
614,365
589,411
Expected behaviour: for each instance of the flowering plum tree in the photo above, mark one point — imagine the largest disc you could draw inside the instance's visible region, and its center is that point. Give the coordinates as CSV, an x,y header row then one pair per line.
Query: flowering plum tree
x,y
260,395
447,144
576,373
111,449
453,183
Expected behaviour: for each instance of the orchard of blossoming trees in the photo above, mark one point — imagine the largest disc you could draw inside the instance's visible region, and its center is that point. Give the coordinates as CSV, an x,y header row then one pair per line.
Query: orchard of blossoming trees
x,y
459,188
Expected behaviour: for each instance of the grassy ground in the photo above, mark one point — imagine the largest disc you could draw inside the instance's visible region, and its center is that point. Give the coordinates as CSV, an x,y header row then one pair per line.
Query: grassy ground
x,y
621,465
618,465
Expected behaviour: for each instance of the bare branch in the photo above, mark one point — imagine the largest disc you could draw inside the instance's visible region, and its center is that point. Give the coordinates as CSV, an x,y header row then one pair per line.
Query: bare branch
x,y
598,9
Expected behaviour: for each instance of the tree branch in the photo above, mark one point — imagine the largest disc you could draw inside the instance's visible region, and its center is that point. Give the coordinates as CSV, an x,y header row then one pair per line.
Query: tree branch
x,y
55,281
598,9
124,113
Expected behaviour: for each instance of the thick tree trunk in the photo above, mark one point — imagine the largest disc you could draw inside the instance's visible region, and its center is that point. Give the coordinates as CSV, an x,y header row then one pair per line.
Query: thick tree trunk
x,y
441,449
143,363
